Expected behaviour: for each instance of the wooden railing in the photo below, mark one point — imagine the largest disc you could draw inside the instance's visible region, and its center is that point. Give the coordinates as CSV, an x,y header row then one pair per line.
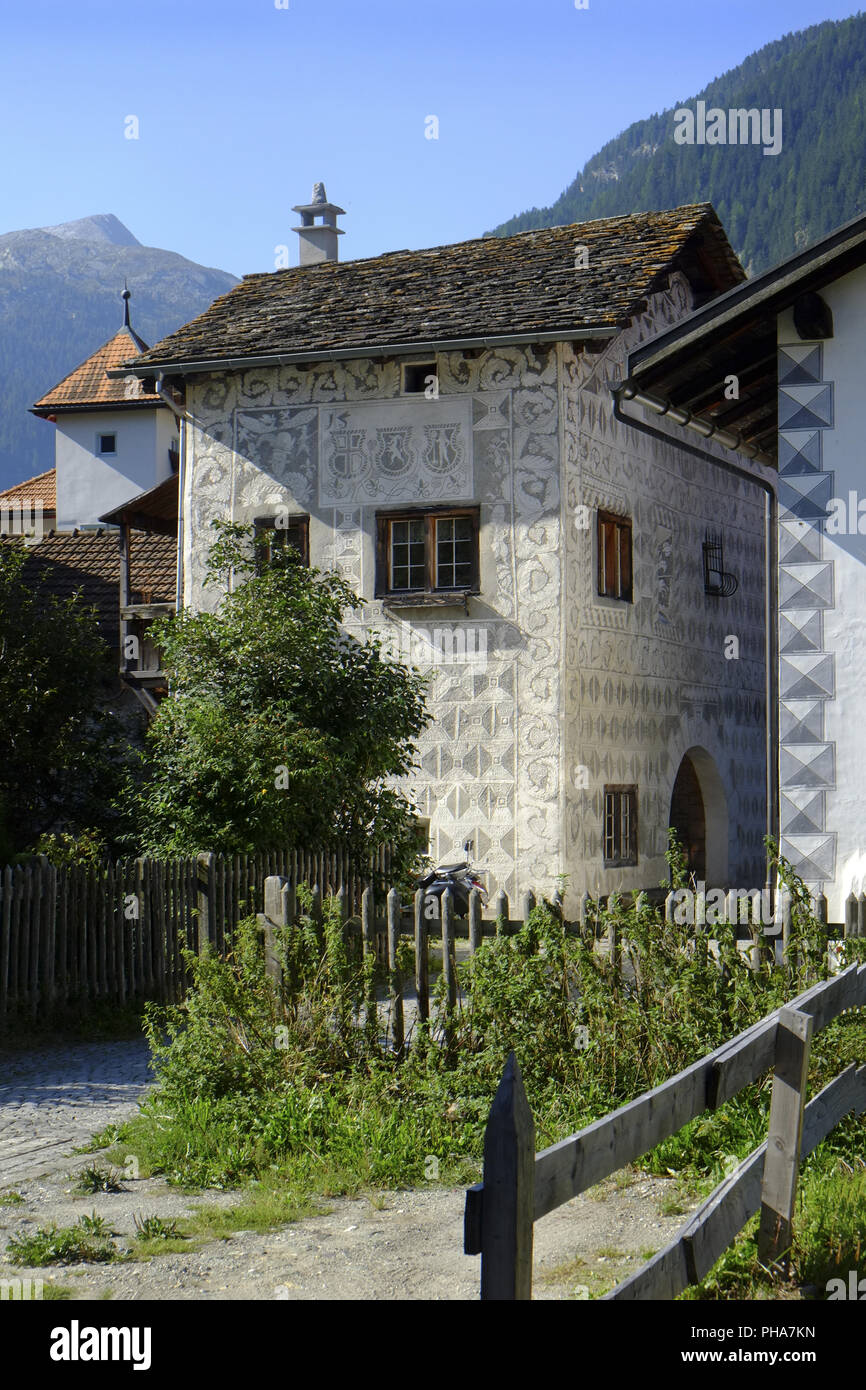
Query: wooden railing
x,y
520,1186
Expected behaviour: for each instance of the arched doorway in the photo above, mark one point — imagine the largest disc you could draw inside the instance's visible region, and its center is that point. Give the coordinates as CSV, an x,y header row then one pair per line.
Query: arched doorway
x,y
699,815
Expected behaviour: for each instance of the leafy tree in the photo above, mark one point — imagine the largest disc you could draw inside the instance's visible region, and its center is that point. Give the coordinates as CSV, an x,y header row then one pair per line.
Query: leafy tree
x,y
280,728
58,748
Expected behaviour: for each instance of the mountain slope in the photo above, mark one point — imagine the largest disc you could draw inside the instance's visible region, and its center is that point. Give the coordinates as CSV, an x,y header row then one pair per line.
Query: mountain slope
x,y
60,299
771,206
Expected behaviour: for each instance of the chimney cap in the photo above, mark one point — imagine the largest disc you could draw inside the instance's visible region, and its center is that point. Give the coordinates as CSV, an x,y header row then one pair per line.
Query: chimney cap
x,y
318,203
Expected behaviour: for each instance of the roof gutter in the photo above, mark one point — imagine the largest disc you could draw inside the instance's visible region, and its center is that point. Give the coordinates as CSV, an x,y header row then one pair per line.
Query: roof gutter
x,y
628,391
284,359
729,439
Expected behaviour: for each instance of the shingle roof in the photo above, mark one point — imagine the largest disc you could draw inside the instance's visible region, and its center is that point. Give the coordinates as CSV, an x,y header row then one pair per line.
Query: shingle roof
x,y
487,287
42,488
88,562
88,384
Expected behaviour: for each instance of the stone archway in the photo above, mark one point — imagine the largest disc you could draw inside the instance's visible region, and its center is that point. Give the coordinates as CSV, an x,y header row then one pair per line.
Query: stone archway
x,y
699,814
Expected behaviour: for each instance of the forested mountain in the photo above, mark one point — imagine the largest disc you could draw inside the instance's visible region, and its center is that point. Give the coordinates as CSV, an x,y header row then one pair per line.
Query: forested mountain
x,y
60,299
771,205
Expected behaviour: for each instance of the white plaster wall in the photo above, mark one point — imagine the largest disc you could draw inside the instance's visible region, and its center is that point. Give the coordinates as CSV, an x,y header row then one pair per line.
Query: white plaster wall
x,y
88,485
838,664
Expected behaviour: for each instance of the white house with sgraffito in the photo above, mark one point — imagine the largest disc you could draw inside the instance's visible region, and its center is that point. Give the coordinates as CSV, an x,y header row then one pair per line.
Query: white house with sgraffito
x,y
590,601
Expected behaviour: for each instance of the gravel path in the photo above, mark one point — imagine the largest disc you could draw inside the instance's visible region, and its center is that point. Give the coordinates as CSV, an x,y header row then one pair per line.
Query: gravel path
x,y
53,1099
388,1246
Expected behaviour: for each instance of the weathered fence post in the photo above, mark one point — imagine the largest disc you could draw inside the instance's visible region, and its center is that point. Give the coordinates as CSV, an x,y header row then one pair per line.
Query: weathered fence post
x,y
852,914
501,911
475,928
861,915
782,1160
206,906
449,964
276,914
507,1208
422,961
368,921
393,973
784,920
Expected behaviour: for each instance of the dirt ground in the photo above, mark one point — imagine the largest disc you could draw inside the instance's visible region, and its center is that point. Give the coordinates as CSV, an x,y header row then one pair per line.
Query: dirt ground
x,y
389,1246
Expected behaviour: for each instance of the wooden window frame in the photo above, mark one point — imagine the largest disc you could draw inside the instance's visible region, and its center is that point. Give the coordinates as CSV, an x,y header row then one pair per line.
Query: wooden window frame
x,y
619,554
628,853
384,521
262,524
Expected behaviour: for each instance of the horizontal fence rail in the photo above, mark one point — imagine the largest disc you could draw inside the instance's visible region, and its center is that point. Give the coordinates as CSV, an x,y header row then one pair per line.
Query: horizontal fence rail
x,y
521,1186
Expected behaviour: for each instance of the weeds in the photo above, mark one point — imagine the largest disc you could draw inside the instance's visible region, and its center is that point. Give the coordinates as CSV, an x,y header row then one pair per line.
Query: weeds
x,y
88,1241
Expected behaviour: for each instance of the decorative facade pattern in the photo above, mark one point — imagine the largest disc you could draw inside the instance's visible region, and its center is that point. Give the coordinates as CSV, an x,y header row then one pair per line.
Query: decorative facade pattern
x,y
807,675
573,691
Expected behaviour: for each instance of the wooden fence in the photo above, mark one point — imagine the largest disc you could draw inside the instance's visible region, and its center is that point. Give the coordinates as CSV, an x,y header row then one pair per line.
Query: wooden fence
x,y
521,1186
114,933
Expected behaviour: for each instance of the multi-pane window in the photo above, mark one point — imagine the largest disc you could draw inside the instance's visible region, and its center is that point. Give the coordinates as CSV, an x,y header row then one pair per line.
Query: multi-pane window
x,y
427,552
614,556
620,826
455,547
408,555
272,533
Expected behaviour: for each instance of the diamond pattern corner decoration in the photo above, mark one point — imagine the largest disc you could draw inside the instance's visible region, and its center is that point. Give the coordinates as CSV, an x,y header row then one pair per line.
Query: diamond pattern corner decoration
x,y
800,451
806,407
808,675
801,630
806,586
808,765
798,364
799,542
803,813
801,721
813,856
806,495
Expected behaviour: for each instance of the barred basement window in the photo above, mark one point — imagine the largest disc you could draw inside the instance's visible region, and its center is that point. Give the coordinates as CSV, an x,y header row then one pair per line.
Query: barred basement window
x,y
614,556
620,826
274,532
426,553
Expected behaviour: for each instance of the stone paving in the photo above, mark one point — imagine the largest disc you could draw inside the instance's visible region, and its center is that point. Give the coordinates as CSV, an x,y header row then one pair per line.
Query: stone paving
x,y
52,1100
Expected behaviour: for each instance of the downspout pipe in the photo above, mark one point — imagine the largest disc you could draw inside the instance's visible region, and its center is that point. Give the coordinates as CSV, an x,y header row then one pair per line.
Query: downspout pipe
x,y
182,418
629,391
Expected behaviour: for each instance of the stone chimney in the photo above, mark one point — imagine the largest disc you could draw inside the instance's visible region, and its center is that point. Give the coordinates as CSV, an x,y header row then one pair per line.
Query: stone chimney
x,y
318,239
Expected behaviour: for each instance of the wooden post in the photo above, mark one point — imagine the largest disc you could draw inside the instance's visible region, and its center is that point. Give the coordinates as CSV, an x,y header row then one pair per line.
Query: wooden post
x,y
501,911
368,921
449,965
422,961
782,1161
852,913
275,916
784,922
861,915
507,1209
394,978
206,904
475,930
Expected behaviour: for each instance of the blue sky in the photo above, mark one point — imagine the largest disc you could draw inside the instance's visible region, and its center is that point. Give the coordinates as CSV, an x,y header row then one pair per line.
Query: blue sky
x,y
242,105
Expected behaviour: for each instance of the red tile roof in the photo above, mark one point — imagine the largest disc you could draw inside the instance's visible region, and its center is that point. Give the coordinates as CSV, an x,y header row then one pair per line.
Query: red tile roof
x,y
88,385
42,488
87,563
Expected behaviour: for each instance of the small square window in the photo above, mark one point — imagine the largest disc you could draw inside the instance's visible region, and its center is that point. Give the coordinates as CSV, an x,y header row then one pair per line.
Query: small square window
x,y
417,376
108,443
614,556
619,831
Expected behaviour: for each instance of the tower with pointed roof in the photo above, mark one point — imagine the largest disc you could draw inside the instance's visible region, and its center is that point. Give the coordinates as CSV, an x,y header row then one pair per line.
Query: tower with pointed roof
x,y
114,438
